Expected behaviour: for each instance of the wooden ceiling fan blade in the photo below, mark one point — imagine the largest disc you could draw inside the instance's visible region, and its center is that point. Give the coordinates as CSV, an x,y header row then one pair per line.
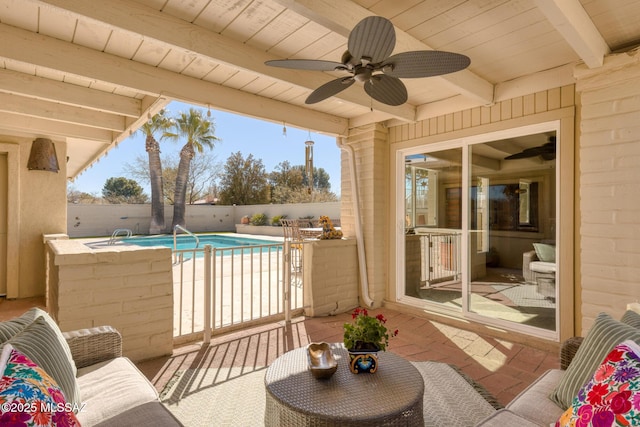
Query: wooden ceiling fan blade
x,y
306,64
385,89
424,63
329,89
547,151
374,37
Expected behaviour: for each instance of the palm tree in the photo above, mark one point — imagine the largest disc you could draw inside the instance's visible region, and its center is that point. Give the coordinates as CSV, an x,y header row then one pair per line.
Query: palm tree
x,y
199,132
158,123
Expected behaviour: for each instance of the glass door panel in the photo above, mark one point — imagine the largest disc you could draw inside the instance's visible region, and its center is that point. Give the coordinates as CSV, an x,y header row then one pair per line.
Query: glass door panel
x,y
433,219
512,209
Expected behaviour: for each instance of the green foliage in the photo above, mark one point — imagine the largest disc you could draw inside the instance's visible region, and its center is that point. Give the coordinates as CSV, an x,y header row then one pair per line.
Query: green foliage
x,y
276,220
123,190
366,330
244,181
289,184
259,219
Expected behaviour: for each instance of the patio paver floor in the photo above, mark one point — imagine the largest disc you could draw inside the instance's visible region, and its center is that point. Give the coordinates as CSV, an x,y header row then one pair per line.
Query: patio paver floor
x,y
504,368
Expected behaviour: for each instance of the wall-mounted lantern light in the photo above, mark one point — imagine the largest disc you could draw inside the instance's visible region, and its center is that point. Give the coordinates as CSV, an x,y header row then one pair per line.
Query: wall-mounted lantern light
x,y
43,156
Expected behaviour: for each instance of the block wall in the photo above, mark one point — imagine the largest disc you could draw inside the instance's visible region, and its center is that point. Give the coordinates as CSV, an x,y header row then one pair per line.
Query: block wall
x,y
371,151
609,179
331,277
129,289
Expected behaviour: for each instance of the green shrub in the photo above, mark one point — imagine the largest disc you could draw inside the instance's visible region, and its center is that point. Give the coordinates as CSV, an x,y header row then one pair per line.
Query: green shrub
x,y
259,219
275,221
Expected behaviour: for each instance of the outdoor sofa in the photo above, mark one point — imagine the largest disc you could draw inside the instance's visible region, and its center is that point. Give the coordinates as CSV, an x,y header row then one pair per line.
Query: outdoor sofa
x,y
586,366
99,384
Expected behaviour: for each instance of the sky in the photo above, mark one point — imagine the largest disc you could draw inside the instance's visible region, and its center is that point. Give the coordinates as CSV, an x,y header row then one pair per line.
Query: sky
x,y
265,140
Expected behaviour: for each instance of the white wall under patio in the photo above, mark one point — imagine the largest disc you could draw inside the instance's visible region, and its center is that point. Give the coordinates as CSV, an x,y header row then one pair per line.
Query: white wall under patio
x,y
102,220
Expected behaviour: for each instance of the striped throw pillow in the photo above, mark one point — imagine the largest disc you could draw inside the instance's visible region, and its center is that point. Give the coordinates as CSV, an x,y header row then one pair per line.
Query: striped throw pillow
x,y
40,343
12,327
603,336
631,318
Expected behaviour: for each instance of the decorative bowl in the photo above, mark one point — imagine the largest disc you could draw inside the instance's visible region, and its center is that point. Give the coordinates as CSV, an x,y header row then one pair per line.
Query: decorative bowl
x,y
321,361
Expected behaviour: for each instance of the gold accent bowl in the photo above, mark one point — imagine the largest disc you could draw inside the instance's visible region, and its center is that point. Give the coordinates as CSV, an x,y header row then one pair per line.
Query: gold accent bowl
x,y
321,361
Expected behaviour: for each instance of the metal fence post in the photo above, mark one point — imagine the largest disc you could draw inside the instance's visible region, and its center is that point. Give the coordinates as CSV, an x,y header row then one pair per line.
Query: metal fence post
x,y
287,281
207,294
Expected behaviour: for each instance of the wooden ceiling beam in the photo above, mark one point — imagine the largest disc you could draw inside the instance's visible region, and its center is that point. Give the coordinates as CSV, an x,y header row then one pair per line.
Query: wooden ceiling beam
x,y
68,58
38,126
571,20
14,82
192,39
32,107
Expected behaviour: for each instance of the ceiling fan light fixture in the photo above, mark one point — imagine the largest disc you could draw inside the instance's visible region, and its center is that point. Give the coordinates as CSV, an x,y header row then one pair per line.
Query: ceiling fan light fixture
x,y
369,49
362,74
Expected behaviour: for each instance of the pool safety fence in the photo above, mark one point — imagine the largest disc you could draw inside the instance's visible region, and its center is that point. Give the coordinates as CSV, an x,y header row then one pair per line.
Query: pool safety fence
x,y
218,290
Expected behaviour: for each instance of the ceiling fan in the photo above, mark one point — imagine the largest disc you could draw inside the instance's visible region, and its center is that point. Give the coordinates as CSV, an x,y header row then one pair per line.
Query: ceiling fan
x,y
367,61
547,151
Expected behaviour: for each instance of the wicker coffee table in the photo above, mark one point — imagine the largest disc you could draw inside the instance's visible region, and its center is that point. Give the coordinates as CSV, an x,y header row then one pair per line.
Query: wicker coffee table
x,y
392,396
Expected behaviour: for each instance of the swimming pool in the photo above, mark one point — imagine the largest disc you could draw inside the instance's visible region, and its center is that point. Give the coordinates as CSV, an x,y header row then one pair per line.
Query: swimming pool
x,y
187,242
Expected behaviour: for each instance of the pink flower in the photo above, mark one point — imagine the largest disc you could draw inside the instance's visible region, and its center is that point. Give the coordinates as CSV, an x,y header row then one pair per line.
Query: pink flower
x,y
585,413
604,371
636,402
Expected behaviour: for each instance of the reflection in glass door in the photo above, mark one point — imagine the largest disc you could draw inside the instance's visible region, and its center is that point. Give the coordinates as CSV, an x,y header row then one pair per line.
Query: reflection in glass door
x,y
512,213
496,258
433,218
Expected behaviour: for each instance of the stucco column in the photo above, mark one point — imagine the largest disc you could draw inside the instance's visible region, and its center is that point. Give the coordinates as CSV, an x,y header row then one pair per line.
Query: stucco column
x,y
371,163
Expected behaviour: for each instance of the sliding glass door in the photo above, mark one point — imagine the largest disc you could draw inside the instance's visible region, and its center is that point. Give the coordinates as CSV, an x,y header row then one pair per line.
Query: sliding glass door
x,y
479,229
433,218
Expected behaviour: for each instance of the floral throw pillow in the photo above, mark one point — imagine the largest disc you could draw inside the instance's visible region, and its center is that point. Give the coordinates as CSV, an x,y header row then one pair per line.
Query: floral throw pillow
x,y
29,396
612,396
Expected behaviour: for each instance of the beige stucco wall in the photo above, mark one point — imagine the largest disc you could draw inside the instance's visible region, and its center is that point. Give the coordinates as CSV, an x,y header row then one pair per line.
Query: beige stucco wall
x,y
102,220
370,153
330,277
37,205
546,106
609,151
128,288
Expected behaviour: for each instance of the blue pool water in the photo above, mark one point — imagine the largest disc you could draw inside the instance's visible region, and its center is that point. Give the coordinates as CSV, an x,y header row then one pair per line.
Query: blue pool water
x,y
186,242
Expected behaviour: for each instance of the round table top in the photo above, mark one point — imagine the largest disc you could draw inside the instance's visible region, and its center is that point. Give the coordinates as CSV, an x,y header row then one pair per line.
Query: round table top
x,y
396,387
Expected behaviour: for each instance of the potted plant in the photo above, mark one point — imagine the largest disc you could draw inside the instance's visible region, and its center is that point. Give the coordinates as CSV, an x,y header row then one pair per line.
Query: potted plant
x,y
364,338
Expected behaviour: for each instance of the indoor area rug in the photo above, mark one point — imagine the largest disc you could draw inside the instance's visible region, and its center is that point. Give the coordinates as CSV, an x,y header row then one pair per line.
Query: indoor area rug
x,y
216,397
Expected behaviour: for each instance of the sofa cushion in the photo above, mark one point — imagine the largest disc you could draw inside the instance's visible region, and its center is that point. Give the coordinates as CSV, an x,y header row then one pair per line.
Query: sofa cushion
x,y
542,267
545,252
611,396
504,418
42,344
110,388
29,395
533,403
603,336
151,414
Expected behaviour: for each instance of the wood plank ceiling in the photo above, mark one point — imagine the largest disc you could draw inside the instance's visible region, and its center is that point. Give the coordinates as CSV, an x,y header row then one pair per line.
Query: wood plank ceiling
x,y
90,72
